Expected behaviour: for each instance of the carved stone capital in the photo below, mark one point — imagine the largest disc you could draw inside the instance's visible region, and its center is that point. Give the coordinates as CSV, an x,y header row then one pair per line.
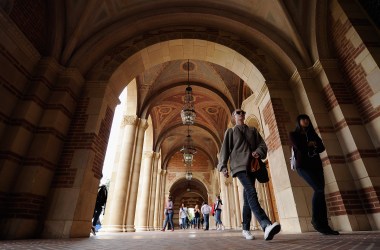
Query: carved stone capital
x,y
228,181
157,155
144,124
148,154
129,120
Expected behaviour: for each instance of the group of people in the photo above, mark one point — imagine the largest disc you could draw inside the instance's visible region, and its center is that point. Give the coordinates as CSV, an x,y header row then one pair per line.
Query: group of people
x,y
185,221
200,220
242,145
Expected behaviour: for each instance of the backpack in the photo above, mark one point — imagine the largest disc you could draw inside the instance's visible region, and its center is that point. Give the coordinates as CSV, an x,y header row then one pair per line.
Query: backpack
x,y
213,209
293,161
101,198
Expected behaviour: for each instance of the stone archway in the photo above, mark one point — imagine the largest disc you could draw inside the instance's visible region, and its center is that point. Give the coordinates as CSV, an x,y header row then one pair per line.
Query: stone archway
x,y
190,192
219,55
173,50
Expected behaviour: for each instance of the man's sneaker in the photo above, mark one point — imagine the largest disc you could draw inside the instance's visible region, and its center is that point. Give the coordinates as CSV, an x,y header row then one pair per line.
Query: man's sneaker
x,y
247,234
93,230
271,231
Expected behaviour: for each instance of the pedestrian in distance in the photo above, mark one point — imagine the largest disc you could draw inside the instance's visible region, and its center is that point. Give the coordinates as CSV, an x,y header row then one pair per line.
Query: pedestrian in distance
x,y
218,213
100,205
184,214
206,210
168,212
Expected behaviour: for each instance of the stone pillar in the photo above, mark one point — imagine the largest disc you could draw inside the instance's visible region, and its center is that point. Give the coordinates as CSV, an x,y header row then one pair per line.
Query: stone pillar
x,y
142,207
237,198
156,219
224,196
267,201
131,207
153,196
114,218
231,201
162,200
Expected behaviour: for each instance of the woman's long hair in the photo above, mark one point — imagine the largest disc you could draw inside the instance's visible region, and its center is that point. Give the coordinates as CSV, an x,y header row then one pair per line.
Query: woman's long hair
x,y
310,129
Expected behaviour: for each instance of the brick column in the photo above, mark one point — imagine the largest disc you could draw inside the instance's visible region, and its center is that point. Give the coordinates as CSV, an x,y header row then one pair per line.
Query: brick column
x,y
353,96
115,213
131,208
73,193
33,143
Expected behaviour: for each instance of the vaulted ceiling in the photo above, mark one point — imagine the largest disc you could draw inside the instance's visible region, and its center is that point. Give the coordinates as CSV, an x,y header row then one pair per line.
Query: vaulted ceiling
x,y
97,36
161,93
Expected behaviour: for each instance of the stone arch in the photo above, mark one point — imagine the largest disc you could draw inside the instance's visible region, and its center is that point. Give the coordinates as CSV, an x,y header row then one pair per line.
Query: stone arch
x,y
162,52
253,121
103,93
196,184
131,99
113,44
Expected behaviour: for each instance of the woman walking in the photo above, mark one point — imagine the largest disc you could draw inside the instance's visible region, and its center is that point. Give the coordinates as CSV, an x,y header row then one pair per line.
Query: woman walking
x,y
169,214
218,213
307,146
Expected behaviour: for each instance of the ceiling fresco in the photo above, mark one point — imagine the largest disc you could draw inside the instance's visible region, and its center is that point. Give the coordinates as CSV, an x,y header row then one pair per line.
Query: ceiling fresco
x,y
162,90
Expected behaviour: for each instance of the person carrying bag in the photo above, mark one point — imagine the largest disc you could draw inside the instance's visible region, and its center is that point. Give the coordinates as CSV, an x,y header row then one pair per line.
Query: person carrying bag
x,y
240,145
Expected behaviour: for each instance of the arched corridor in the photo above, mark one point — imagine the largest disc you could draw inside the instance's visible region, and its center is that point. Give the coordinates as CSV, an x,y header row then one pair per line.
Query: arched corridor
x,y
63,72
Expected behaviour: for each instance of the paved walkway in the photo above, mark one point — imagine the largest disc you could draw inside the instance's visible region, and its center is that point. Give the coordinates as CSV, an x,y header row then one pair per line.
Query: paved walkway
x,y
199,239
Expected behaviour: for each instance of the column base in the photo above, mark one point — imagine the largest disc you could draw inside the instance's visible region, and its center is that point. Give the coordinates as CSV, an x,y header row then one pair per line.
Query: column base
x,y
112,228
130,228
142,228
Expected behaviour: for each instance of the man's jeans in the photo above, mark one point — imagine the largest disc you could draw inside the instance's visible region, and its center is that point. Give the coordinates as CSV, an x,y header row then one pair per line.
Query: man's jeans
x,y
206,219
314,177
197,221
218,213
251,202
169,218
184,224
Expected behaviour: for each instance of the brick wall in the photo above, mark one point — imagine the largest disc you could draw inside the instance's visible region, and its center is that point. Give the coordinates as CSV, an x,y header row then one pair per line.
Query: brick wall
x,y
354,202
200,163
336,93
31,17
354,90
79,139
347,53
24,205
275,116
